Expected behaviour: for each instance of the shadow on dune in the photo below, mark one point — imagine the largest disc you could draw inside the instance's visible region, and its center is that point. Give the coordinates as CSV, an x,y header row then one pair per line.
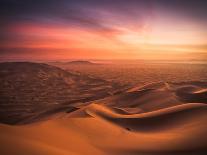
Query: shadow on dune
x,y
159,120
136,152
192,96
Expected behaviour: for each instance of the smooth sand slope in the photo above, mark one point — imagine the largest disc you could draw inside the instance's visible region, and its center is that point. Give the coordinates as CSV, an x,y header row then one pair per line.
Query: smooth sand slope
x,y
103,134
154,119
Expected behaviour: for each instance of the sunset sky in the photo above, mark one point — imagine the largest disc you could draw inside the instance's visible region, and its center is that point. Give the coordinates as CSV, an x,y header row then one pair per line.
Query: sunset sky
x,y
103,29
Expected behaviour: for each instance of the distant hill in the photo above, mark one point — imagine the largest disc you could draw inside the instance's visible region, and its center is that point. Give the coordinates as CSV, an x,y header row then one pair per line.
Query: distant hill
x,y
81,62
28,90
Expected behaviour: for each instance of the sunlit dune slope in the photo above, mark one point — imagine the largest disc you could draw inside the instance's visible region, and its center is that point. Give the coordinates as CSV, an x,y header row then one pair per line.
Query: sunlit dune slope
x,y
151,121
103,134
157,96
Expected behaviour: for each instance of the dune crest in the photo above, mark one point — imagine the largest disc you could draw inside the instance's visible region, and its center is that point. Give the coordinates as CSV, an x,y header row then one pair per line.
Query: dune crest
x,y
158,120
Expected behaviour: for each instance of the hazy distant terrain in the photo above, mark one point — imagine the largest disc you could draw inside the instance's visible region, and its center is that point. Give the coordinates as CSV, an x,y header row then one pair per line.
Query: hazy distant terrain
x,y
80,62
142,72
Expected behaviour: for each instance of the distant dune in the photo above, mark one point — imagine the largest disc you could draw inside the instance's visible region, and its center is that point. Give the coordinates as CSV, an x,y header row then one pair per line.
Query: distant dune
x,y
81,62
96,116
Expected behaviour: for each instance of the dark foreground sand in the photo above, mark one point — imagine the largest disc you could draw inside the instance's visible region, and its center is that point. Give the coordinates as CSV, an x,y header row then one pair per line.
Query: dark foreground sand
x,y
155,119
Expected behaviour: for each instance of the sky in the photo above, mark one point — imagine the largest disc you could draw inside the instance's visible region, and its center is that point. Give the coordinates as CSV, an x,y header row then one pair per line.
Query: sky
x,y
103,29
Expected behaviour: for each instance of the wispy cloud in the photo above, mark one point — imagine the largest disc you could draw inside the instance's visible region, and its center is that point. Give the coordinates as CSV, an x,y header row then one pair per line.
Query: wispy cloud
x,y
104,25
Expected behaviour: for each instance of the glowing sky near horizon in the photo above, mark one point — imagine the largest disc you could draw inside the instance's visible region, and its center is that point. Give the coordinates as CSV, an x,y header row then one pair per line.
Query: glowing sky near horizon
x,y
103,29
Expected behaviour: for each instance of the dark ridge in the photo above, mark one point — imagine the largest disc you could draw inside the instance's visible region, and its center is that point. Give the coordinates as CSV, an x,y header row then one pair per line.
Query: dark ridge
x,y
28,89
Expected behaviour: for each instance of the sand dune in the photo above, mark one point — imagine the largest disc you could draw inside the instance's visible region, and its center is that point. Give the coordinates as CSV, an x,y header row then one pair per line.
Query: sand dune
x,y
155,96
185,133
100,117
192,94
159,120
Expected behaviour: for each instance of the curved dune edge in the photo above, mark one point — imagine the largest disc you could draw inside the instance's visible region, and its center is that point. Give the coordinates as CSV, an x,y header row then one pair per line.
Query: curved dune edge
x,y
168,118
101,109
97,135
